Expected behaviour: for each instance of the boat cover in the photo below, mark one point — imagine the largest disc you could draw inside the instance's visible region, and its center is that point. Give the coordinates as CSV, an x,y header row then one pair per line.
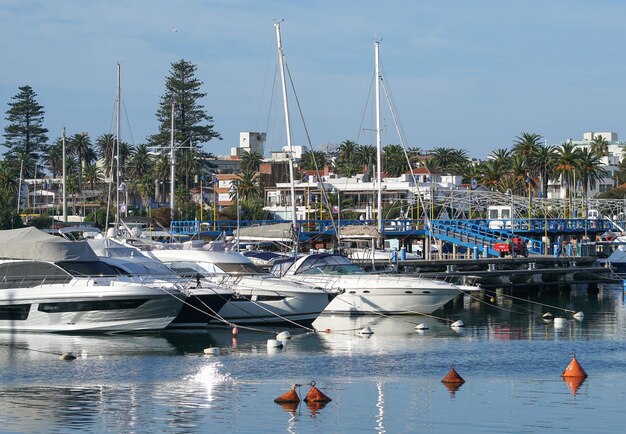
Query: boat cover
x,y
269,232
33,244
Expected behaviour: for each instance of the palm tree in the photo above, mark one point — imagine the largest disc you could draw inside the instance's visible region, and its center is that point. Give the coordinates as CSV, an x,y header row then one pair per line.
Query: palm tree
x,y
541,162
599,146
313,160
442,158
394,160
365,155
589,169
140,162
92,175
248,186
106,150
251,161
54,158
492,172
161,172
526,143
518,172
566,156
81,145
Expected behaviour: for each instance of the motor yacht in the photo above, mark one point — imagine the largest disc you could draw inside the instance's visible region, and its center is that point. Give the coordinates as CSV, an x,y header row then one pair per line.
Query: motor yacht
x,y
259,297
50,284
364,293
202,299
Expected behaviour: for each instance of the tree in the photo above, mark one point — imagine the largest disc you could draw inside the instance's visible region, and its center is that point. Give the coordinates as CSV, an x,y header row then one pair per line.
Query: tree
x,y
589,170
106,150
394,160
192,125
25,131
599,146
313,160
248,186
365,155
251,161
541,164
444,158
81,145
526,143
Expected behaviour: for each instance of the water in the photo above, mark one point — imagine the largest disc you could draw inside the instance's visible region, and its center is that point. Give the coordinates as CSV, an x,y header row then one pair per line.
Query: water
x,y
388,382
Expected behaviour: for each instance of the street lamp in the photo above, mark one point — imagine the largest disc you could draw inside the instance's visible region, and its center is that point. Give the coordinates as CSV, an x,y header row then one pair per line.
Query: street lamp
x,y
235,190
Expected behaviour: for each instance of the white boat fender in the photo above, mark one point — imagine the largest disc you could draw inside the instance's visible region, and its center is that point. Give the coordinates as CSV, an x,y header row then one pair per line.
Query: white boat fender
x,y
67,356
366,331
559,322
547,316
457,324
274,343
235,331
421,326
579,315
283,335
212,351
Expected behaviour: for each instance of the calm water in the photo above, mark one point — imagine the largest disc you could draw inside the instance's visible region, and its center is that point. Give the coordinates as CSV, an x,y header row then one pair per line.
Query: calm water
x,y
388,382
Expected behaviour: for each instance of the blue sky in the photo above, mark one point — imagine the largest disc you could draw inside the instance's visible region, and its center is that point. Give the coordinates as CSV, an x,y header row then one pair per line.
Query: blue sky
x,y
466,74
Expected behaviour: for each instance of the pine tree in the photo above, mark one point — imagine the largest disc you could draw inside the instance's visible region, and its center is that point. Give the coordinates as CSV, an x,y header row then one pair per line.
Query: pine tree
x,y
25,132
192,125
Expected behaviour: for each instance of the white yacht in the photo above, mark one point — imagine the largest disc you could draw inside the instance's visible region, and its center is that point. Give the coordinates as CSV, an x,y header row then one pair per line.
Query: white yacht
x,y
49,284
260,298
202,299
364,293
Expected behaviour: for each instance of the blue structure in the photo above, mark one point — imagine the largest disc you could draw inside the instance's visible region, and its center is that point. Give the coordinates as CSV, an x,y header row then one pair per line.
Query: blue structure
x,y
468,234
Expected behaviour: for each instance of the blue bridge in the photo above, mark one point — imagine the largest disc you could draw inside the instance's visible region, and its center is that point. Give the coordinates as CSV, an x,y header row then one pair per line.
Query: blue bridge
x,y
479,233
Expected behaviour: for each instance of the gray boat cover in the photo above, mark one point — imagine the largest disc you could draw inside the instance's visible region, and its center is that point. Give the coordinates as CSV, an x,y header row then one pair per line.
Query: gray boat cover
x,y
32,244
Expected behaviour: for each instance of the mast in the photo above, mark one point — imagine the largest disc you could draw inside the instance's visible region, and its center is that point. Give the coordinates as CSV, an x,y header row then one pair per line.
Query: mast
x,y
117,148
281,61
65,179
379,204
172,166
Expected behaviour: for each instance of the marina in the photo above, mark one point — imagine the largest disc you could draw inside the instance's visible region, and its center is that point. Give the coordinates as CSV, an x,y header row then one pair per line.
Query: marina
x,y
388,381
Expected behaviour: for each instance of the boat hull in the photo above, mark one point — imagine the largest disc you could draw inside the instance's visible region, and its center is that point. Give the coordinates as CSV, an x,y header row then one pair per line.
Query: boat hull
x,y
87,308
371,294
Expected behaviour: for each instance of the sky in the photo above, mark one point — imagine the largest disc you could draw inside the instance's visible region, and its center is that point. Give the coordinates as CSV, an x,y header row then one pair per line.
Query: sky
x,y
465,74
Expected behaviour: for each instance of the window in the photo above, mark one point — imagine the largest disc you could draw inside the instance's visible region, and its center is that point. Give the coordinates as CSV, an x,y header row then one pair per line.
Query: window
x,y
17,312
90,305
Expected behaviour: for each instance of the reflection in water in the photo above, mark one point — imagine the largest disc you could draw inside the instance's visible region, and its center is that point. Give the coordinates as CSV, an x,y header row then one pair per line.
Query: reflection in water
x,y
574,383
380,405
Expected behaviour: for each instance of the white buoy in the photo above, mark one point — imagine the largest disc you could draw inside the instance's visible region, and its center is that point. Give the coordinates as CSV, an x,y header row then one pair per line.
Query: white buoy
x,y
421,326
212,351
67,356
579,315
283,335
559,322
366,331
274,343
457,324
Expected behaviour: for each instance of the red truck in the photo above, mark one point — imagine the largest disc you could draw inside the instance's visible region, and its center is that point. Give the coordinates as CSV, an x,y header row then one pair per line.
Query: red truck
x,y
515,247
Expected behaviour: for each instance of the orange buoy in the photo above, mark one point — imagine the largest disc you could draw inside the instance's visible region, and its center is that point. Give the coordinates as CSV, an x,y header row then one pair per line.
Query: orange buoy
x,y
574,370
315,395
452,377
289,397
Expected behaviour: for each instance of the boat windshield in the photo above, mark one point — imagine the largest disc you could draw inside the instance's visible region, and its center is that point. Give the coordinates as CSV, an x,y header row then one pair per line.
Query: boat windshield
x,y
328,264
88,268
188,268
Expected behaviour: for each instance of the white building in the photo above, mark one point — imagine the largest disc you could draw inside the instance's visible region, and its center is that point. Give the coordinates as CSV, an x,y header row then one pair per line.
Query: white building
x,y
249,142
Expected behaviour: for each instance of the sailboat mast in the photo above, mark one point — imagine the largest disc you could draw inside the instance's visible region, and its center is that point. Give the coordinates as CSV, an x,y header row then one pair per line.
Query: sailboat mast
x,y
65,179
281,61
172,166
117,147
379,204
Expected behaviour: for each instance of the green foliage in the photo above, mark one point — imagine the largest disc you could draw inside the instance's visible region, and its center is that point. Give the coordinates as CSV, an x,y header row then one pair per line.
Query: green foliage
x,y
192,125
25,132
41,222
9,220
98,217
